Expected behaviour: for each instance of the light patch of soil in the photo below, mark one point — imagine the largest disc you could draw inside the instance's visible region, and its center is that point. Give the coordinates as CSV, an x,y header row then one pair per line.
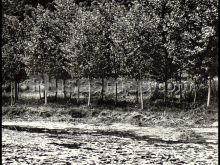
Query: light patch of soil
x,y
165,134
24,147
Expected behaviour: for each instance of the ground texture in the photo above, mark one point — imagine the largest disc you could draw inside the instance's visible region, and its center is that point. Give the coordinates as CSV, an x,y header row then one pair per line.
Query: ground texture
x,y
71,143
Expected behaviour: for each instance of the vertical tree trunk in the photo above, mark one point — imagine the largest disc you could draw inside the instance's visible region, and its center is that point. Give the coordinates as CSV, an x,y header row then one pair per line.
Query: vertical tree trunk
x,y
35,85
165,92
195,93
172,90
180,82
56,84
70,89
78,90
64,88
18,86
124,88
137,92
45,90
15,91
102,92
44,87
141,95
89,97
209,92
39,90
116,91
11,93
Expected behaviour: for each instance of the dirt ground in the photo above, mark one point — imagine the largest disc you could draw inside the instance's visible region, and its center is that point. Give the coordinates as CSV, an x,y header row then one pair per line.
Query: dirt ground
x,y
118,143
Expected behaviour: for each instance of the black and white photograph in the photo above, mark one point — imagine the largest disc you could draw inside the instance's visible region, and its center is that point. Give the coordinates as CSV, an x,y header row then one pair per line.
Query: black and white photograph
x,y
118,82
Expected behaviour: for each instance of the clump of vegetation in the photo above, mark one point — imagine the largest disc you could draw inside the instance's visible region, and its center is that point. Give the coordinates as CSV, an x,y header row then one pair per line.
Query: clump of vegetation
x,y
190,136
153,116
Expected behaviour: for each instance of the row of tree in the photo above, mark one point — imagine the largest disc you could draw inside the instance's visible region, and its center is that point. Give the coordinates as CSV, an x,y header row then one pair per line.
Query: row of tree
x,y
149,39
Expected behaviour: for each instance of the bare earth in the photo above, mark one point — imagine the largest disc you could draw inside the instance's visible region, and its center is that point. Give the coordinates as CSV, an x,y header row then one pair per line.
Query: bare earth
x,y
69,143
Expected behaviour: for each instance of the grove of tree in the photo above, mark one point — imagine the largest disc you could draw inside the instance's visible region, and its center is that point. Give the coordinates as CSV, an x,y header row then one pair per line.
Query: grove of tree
x,y
159,40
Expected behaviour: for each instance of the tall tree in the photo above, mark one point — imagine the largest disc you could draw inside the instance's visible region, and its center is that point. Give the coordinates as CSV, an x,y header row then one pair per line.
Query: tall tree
x,y
12,52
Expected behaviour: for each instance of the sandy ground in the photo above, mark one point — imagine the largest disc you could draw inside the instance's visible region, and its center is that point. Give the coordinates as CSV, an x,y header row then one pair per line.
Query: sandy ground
x,y
171,134
93,146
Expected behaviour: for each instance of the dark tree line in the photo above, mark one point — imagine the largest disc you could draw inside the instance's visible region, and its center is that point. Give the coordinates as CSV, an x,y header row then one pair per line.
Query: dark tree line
x,y
159,40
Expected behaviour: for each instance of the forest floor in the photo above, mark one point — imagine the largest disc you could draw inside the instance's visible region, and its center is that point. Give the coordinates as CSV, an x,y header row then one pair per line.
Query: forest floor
x,y
79,135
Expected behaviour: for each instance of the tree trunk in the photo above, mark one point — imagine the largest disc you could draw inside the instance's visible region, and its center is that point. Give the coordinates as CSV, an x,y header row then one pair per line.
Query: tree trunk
x,y
15,91
56,84
102,92
70,90
165,92
11,93
18,88
209,92
116,91
89,97
78,90
124,89
141,95
39,91
180,82
195,94
137,92
45,90
64,89
35,85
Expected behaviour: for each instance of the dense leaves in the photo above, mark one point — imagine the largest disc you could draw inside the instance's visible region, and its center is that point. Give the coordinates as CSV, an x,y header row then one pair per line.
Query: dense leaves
x,y
137,39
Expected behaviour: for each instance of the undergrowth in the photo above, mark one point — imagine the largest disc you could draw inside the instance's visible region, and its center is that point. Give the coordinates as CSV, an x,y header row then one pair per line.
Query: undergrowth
x,y
150,116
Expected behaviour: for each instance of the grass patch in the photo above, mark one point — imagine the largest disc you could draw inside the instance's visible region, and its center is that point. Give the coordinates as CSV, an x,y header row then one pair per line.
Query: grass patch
x,y
151,116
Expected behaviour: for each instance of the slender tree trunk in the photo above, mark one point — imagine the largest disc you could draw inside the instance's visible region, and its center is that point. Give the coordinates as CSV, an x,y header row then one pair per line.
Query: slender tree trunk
x,y
70,90
15,91
165,91
56,84
137,92
172,91
116,91
141,95
11,93
46,87
35,85
78,90
209,92
180,82
89,97
64,89
124,88
18,85
195,93
39,91
102,92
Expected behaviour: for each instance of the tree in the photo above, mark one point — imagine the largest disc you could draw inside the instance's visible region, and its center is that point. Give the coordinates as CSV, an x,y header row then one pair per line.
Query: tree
x,y
44,53
12,65
133,36
109,13
196,49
